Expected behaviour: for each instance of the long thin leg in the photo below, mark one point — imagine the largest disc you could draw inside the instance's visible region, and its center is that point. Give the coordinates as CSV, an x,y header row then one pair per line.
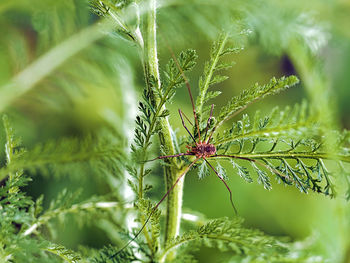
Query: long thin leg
x,y
155,207
168,156
211,116
187,118
187,85
211,134
183,124
222,179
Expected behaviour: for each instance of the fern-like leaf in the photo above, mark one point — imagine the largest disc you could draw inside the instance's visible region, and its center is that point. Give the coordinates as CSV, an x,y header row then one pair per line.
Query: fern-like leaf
x,y
146,209
174,72
203,170
209,78
112,255
65,204
18,211
114,11
228,235
290,122
257,92
67,153
64,253
294,162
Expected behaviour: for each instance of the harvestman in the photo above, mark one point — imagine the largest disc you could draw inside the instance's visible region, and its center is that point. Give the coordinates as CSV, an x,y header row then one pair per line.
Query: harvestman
x,y
202,149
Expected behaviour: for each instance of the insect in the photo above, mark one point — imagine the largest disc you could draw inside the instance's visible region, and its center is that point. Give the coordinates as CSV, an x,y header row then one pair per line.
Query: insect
x,y
201,149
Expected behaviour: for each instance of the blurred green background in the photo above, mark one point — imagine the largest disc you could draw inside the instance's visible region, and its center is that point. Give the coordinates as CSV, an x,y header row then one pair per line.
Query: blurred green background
x,y
98,87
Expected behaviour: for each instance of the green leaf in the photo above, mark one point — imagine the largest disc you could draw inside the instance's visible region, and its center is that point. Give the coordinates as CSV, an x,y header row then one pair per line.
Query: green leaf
x,y
111,254
211,95
66,254
229,235
146,209
208,78
242,171
217,79
291,122
262,177
257,92
221,171
203,170
225,66
174,71
102,154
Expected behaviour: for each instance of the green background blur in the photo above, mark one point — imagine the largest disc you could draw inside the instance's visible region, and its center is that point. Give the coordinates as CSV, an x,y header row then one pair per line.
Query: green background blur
x,y
89,91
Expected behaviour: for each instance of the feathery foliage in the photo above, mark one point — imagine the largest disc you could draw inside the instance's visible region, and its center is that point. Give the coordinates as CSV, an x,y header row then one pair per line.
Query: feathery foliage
x,y
21,218
68,153
64,253
293,145
209,78
229,235
108,255
287,144
152,111
257,92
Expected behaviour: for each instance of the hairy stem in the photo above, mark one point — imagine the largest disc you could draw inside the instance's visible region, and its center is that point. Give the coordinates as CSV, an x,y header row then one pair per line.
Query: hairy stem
x,y
174,201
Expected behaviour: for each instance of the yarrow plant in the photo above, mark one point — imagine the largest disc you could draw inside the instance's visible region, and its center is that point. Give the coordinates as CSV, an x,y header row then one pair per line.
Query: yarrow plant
x,y
293,146
288,144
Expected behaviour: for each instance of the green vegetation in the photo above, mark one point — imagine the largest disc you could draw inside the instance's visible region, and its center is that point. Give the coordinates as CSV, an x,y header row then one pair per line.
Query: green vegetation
x,y
87,99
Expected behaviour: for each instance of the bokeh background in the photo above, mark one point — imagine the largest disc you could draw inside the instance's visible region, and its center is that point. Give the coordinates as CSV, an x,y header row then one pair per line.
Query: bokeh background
x,y
98,87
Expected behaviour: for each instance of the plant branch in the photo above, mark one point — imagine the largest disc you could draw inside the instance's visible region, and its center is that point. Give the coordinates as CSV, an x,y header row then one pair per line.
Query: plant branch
x,y
174,201
288,155
74,208
211,70
151,71
223,238
272,132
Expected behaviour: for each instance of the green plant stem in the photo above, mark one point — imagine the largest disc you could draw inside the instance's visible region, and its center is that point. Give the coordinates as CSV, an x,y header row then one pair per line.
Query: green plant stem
x,y
174,201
